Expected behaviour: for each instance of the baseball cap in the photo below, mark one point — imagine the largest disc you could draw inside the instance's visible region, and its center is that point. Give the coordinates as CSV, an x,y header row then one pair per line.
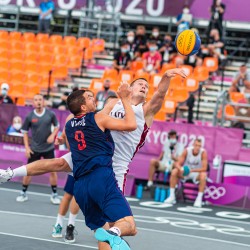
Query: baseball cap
x,y
5,86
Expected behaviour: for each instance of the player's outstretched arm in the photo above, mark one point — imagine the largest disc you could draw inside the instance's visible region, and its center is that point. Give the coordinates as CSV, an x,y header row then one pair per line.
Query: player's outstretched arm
x,y
154,105
104,121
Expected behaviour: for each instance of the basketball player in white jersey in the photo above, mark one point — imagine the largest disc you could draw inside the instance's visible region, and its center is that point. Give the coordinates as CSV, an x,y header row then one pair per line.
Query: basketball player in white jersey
x,y
195,158
126,143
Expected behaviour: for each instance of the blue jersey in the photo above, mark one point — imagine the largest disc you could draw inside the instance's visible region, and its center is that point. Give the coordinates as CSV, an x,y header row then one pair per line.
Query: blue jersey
x,y
90,146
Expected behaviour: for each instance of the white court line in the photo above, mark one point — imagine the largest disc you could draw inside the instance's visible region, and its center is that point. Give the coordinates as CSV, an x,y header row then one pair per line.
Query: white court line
x,y
140,228
36,215
194,236
47,240
147,209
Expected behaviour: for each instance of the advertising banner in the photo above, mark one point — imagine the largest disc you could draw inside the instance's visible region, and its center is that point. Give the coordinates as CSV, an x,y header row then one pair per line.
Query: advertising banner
x,y
235,10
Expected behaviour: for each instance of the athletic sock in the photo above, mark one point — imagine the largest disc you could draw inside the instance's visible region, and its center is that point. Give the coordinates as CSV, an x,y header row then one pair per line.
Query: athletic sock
x,y
72,219
20,172
200,195
54,189
25,187
115,230
150,183
172,192
59,220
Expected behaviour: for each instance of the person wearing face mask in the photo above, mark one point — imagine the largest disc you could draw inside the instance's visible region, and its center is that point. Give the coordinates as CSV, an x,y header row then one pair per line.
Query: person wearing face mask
x,y
171,151
15,128
122,59
152,59
184,20
156,36
131,43
4,98
167,49
140,40
103,95
217,11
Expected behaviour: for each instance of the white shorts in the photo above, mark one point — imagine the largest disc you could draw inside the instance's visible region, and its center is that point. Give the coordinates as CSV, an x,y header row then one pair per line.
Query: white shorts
x,y
192,176
120,177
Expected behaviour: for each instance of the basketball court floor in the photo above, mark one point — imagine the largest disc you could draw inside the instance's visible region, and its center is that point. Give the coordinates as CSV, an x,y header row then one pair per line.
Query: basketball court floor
x,y
28,226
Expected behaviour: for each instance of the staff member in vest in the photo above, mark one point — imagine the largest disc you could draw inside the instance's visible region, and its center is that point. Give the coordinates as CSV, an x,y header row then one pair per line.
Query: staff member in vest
x,y
195,158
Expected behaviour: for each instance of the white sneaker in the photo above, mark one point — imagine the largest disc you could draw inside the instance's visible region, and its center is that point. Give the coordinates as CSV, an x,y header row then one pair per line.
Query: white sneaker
x,y
54,198
170,200
198,203
22,197
5,175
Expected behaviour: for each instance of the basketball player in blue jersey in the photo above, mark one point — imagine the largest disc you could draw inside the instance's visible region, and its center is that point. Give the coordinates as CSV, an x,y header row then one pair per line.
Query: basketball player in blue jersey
x,y
92,149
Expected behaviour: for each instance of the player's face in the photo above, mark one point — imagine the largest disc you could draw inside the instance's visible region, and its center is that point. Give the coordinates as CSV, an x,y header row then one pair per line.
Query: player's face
x,y
90,101
38,102
140,89
197,147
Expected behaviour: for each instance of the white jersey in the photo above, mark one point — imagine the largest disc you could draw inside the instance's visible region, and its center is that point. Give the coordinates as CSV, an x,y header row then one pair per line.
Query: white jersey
x,y
193,161
127,143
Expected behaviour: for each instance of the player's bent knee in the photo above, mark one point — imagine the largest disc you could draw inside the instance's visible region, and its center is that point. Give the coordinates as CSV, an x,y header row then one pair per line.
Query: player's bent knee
x,y
61,165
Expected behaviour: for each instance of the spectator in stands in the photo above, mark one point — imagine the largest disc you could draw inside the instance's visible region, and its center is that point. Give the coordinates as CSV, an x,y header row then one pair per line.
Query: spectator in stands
x,y
152,59
15,128
217,11
4,98
140,40
167,49
122,59
63,105
171,150
45,15
241,81
155,36
195,158
216,45
103,95
184,20
131,43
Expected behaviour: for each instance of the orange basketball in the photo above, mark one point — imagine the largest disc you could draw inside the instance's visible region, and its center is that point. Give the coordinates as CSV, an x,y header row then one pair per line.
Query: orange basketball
x,y
187,42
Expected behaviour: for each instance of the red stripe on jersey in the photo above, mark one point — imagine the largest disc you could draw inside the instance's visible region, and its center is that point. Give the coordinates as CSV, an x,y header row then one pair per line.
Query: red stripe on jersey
x,y
142,140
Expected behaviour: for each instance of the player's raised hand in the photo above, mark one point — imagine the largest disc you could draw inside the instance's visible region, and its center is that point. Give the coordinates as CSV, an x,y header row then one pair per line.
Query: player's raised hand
x,y
173,72
124,90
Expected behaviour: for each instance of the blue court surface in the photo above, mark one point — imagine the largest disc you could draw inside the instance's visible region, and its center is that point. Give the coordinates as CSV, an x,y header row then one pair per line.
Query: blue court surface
x,y
28,226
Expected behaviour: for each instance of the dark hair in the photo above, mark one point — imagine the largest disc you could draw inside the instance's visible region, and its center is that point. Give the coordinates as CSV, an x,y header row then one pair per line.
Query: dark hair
x,y
198,140
141,78
171,133
75,100
123,42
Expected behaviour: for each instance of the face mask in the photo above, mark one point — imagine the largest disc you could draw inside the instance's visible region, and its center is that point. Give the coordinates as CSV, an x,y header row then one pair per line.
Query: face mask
x,y
167,41
17,126
152,48
172,141
130,39
155,34
106,88
124,50
4,92
185,11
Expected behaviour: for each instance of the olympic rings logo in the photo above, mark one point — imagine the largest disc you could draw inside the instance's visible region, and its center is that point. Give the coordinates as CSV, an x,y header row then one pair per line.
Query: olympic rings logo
x,y
214,193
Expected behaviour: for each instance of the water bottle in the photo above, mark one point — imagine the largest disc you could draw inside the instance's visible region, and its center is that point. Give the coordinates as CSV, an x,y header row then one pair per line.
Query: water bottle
x,y
157,193
163,195
165,175
139,191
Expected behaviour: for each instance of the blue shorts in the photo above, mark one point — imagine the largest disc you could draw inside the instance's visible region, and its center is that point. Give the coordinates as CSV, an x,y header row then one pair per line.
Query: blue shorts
x,y
100,198
69,185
